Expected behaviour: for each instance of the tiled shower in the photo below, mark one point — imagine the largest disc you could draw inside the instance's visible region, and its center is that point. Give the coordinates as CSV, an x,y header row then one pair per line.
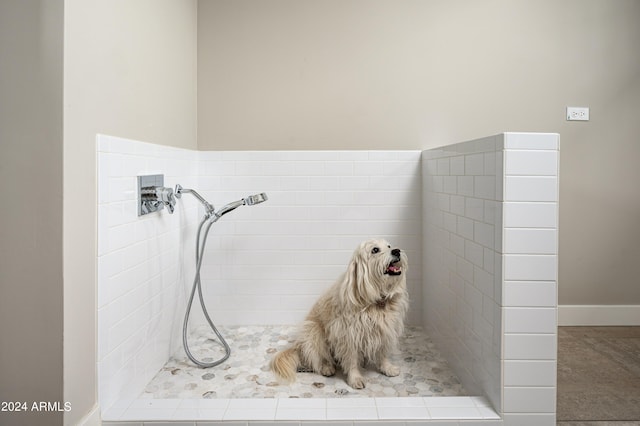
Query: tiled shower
x,y
477,219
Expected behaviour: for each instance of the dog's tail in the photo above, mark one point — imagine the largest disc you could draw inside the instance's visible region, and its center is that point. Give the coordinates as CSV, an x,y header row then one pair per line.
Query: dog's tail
x,y
286,363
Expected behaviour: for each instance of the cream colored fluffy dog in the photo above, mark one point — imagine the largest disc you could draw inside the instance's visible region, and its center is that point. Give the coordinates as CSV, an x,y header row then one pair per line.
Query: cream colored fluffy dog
x,y
358,320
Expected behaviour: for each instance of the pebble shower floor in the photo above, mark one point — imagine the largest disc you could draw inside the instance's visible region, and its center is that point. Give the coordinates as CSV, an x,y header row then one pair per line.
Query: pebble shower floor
x,y
246,374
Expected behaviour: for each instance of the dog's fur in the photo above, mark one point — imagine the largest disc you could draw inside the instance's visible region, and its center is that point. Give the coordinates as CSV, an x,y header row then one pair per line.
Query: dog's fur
x,y
358,320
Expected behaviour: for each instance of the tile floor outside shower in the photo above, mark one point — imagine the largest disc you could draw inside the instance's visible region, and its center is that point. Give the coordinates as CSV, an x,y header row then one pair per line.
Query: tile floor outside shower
x,y
246,374
599,376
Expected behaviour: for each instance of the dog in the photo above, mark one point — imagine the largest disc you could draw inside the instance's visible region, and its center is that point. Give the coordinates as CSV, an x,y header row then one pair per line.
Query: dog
x,y
356,321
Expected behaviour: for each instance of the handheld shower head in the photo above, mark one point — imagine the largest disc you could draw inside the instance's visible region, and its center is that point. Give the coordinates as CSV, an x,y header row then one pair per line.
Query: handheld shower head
x,y
256,199
249,201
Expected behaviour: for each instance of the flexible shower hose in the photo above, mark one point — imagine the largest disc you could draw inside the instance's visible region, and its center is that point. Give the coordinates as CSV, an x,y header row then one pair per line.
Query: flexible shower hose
x,y
200,246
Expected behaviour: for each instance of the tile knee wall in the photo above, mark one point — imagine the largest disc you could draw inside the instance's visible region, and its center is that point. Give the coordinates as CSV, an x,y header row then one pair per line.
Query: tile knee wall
x,y
490,214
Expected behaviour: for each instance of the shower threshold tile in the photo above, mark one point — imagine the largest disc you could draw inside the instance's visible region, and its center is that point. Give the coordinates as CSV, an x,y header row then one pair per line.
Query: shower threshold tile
x,y
246,374
442,413
301,414
142,414
198,414
353,413
403,413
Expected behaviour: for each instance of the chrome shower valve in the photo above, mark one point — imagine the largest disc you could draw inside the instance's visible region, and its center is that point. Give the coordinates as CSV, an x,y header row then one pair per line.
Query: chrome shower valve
x,y
153,195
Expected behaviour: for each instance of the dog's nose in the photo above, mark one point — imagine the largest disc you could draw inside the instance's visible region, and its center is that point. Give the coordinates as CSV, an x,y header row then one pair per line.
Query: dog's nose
x,y
395,252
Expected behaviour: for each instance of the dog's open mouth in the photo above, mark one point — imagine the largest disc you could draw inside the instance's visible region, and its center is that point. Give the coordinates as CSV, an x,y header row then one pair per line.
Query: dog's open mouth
x,y
393,269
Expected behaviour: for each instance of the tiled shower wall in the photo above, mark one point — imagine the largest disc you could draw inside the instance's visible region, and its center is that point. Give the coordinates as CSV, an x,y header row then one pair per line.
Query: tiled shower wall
x,y
141,265
268,263
264,264
491,244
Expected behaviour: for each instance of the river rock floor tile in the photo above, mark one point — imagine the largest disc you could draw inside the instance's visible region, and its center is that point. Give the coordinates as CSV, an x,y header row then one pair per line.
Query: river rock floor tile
x,y
246,373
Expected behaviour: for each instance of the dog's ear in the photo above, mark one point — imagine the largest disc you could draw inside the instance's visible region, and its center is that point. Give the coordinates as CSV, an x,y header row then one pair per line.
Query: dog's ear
x,y
358,288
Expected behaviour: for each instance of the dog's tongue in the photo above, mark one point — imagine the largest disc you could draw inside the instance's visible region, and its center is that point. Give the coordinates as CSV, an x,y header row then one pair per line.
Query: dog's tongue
x,y
393,268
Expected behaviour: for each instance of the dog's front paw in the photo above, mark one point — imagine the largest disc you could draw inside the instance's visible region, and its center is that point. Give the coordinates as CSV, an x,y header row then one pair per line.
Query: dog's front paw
x,y
356,381
390,370
327,370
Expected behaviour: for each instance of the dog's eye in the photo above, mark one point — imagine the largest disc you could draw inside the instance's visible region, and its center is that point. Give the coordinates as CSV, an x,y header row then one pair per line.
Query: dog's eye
x,y
389,246
375,250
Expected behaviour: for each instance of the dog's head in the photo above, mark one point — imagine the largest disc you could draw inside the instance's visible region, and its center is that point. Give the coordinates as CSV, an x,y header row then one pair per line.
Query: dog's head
x,y
377,270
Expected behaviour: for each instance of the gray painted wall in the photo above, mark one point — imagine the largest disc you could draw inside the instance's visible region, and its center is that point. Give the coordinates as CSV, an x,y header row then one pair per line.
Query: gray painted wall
x,y
412,74
31,309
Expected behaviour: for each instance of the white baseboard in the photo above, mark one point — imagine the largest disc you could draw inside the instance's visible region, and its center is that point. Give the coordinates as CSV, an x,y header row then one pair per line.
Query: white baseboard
x,y
598,315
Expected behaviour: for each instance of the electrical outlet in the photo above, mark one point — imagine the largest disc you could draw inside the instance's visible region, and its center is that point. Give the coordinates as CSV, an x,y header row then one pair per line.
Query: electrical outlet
x,y
577,113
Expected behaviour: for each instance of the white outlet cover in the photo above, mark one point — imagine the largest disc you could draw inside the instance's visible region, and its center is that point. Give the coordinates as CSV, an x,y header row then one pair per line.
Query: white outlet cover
x,y
577,113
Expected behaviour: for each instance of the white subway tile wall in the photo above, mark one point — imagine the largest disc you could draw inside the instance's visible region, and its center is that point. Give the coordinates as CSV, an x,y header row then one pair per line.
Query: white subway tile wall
x,y
490,220
268,263
463,263
141,265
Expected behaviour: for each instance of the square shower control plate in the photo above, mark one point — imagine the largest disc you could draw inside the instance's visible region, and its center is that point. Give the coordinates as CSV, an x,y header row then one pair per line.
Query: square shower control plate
x,y
147,200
